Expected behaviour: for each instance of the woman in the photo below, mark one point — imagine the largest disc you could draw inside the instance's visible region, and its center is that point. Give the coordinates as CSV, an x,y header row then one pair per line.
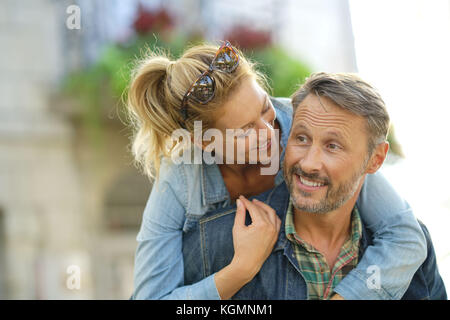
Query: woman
x,y
184,251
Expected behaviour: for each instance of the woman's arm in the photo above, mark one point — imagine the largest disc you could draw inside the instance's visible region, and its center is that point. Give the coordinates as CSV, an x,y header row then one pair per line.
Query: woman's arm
x,y
159,268
399,245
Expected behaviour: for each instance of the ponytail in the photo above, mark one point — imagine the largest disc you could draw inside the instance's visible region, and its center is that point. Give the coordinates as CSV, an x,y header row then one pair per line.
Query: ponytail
x,y
153,122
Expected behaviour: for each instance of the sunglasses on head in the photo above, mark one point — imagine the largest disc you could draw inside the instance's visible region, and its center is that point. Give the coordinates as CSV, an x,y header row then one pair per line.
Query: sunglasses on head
x,y
203,89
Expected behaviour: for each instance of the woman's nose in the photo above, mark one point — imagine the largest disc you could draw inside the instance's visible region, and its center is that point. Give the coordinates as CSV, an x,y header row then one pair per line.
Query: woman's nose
x,y
264,130
267,121
264,124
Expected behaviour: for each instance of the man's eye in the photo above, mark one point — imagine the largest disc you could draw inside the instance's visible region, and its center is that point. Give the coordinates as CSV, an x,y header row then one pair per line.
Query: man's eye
x,y
333,146
301,139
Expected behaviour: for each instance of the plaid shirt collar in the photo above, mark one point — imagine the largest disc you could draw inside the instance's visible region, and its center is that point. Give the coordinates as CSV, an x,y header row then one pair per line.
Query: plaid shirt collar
x,y
319,278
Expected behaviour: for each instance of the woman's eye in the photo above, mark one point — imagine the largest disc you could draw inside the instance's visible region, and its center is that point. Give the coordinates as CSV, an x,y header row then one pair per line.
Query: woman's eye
x,y
247,131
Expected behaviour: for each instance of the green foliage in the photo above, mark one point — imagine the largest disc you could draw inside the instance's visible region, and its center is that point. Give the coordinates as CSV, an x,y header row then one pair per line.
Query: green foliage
x,y
284,72
394,145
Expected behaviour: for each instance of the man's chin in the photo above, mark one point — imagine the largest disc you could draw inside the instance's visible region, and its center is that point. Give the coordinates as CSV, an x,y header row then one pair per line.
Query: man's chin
x,y
306,205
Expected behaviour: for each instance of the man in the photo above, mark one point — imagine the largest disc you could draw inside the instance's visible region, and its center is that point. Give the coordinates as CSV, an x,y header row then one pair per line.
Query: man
x,y
338,136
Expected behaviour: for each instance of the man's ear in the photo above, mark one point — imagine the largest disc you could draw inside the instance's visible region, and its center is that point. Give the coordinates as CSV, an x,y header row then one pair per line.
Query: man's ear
x,y
378,156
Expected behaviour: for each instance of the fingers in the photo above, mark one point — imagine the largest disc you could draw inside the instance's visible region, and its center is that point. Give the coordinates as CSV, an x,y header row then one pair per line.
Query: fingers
x,y
278,224
259,211
239,219
264,206
254,210
271,214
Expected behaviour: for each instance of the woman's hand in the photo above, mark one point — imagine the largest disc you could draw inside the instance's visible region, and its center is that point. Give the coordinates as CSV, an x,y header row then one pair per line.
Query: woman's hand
x,y
252,245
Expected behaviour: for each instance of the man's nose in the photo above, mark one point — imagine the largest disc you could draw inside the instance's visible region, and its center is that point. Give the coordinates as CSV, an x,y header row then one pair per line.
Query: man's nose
x,y
312,161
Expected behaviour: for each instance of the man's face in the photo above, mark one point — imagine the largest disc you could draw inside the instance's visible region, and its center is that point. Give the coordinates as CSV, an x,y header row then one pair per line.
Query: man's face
x,y
326,155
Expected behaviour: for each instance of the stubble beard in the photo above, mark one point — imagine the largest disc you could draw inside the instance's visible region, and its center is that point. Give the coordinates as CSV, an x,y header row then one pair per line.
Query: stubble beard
x,y
335,197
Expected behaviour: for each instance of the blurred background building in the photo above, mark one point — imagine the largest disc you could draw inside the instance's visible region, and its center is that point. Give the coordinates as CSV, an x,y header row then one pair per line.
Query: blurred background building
x,y
69,194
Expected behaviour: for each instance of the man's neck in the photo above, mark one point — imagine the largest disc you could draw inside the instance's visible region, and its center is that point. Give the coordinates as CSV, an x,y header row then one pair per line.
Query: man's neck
x,y
326,232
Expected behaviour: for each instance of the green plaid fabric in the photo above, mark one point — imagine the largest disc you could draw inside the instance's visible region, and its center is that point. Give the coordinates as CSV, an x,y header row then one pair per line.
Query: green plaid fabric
x,y
313,265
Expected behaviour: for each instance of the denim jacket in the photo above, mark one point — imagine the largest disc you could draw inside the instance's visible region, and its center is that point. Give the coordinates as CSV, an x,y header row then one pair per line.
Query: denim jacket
x,y
208,247
180,247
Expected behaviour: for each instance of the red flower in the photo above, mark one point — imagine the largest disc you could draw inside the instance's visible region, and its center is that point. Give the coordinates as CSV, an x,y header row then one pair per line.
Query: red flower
x,y
147,20
247,38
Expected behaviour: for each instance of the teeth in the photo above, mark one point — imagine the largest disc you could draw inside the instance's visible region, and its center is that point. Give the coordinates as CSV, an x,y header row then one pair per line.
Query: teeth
x,y
310,183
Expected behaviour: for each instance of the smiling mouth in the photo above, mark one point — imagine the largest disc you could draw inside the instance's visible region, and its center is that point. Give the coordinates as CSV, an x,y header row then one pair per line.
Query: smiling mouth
x,y
310,183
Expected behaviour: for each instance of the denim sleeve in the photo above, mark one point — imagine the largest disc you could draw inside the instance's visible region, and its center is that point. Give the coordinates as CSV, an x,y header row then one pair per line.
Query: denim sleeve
x,y
159,270
399,245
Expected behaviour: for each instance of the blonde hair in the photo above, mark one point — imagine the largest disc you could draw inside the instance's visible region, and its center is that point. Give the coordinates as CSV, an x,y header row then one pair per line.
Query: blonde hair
x,y
158,85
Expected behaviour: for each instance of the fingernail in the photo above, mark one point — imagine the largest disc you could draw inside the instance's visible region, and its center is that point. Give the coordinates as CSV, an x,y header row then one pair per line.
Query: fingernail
x,y
238,203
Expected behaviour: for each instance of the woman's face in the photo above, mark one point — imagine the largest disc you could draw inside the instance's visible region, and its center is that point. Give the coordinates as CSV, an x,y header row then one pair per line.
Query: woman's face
x,y
247,121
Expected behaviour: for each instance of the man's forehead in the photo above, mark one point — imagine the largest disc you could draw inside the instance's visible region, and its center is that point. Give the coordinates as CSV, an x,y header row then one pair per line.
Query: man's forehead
x,y
323,112
321,104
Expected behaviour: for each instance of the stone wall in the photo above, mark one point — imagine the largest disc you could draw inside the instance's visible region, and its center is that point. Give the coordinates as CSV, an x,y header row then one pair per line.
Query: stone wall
x,y
39,184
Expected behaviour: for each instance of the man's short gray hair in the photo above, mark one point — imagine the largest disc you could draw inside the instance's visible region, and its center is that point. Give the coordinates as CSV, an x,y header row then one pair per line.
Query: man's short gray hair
x,y
351,93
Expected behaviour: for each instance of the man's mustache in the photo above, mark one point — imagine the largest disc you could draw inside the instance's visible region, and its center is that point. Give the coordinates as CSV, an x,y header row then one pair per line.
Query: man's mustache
x,y
313,176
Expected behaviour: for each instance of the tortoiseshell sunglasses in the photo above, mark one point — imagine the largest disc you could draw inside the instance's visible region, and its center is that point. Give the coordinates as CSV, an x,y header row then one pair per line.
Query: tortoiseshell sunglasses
x,y
203,89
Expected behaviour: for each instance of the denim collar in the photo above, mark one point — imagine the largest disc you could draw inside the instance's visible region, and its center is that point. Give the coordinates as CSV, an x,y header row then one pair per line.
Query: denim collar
x,y
282,240
213,185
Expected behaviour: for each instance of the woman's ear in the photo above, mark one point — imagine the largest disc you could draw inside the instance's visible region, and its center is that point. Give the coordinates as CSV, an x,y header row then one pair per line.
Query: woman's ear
x,y
378,157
